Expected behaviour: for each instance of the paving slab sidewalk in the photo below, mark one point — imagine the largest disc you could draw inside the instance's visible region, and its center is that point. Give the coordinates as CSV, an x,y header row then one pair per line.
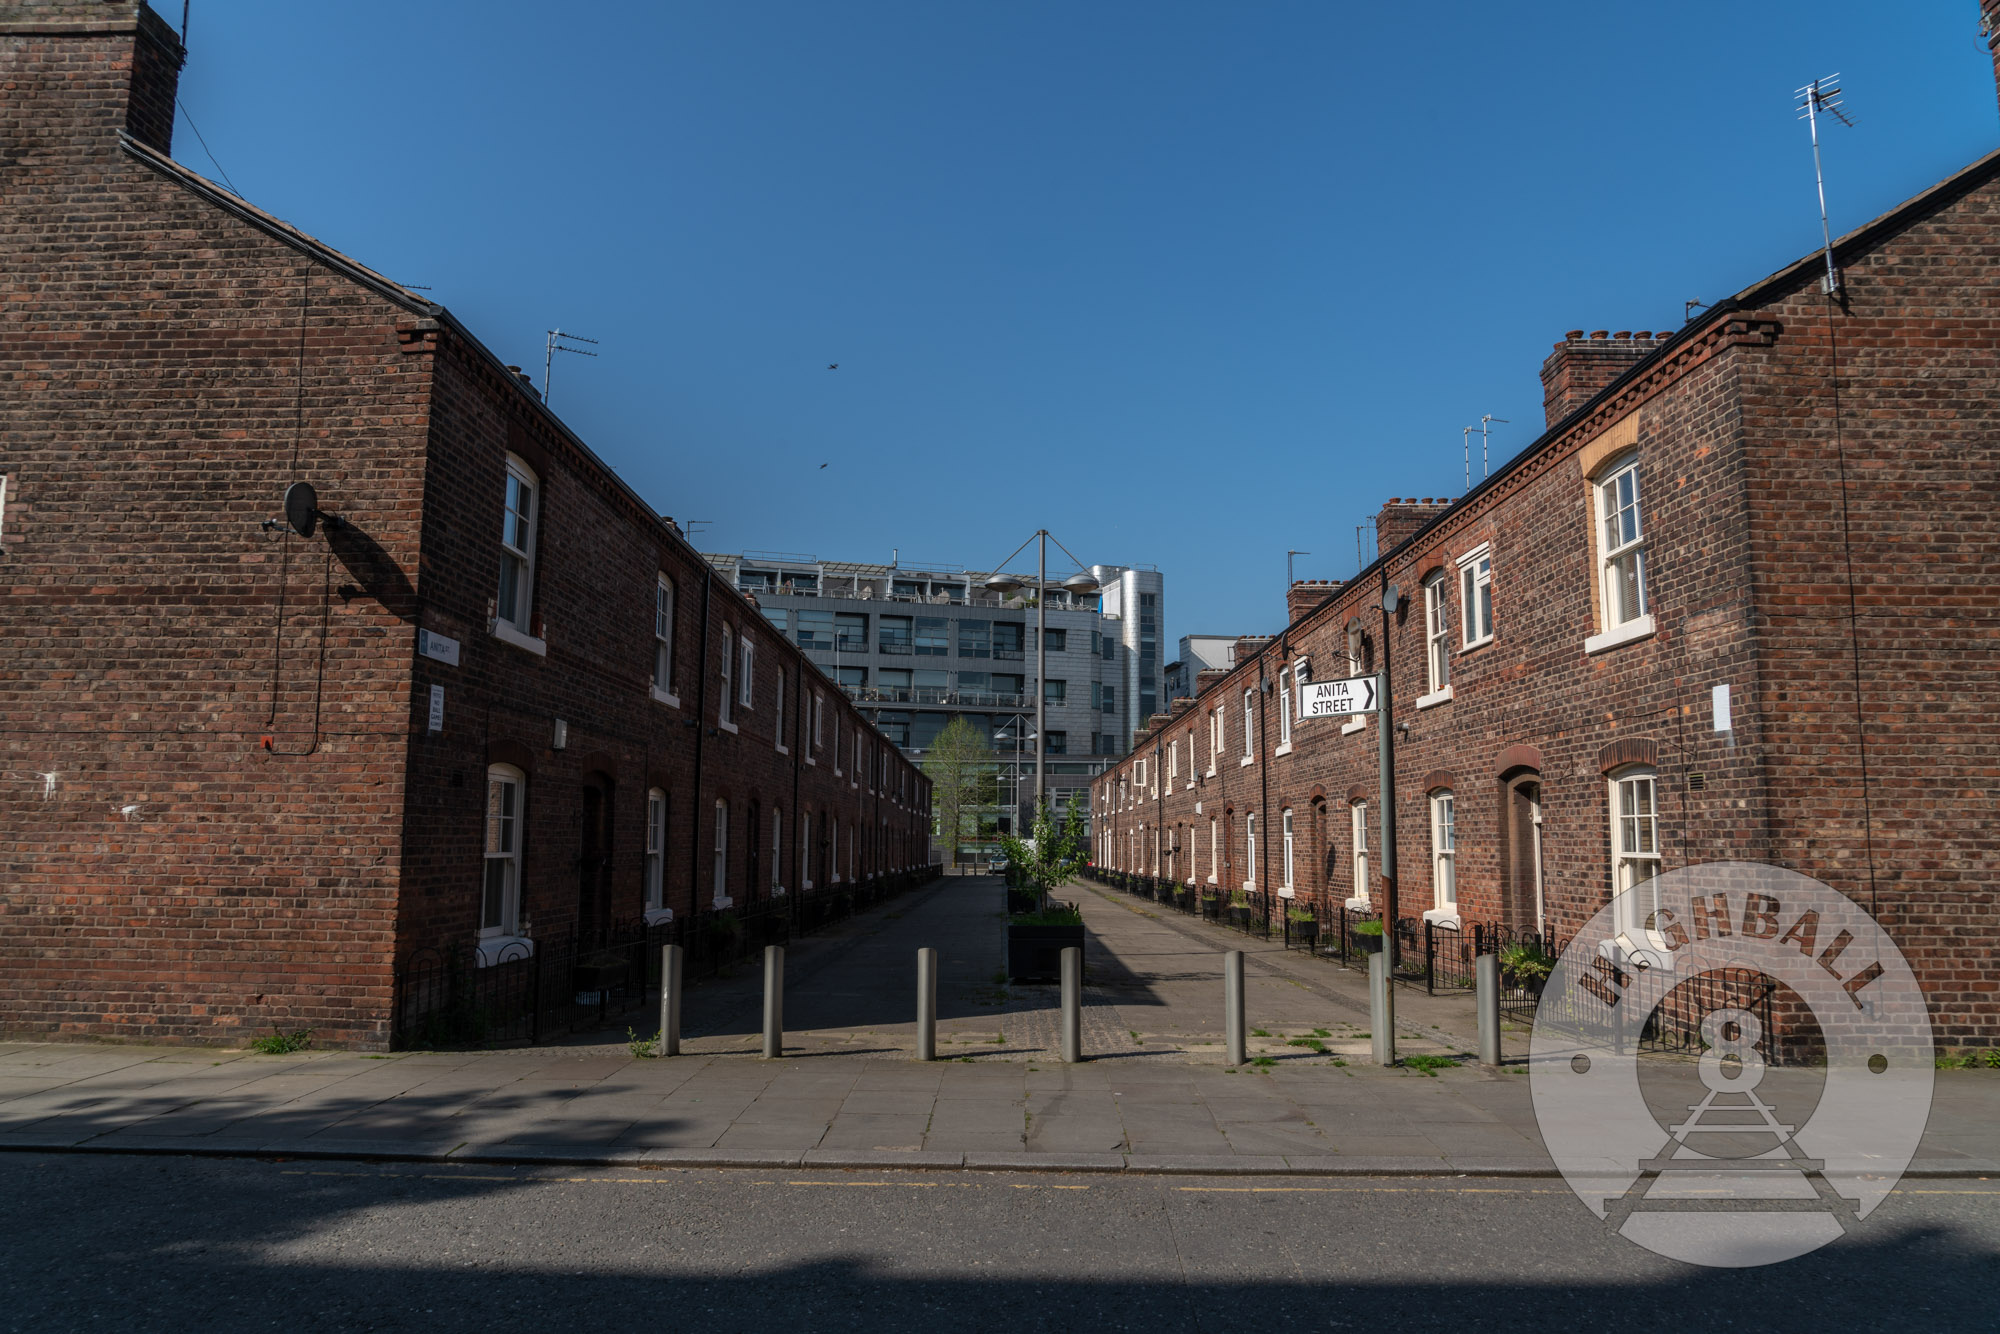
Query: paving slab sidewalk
x,y
1153,1097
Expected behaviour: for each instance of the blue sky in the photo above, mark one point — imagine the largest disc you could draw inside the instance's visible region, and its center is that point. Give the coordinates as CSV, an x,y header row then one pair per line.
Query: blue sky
x,y
1189,284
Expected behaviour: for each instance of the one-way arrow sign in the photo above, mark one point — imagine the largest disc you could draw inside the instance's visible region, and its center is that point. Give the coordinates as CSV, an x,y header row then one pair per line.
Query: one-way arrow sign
x,y
1332,699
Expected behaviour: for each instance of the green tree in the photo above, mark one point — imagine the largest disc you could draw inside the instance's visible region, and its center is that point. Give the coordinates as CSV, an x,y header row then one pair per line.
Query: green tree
x,y
963,774
1053,852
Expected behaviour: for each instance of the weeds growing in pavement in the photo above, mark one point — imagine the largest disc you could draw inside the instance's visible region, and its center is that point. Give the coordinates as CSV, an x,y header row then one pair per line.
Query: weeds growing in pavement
x,y
284,1044
1311,1044
1260,1032
1430,1065
641,1047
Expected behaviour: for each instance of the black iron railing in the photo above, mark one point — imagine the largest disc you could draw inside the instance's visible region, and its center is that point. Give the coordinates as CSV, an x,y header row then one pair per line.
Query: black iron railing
x,y
540,991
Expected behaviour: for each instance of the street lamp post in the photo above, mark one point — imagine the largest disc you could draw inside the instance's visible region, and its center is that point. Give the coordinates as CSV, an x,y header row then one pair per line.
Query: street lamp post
x,y
1078,583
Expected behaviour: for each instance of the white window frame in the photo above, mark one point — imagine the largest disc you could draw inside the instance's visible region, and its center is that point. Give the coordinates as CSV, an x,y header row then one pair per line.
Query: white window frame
x,y
778,715
1635,850
720,877
1619,536
1284,712
1214,850
520,539
503,829
1354,638
663,642
1194,765
1289,885
725,703
656,857
1475,596
1249,727
1357,820
806,848
1444,858
1173,759
746,671
1217,725
1437,642
777,851
1250,853
819,712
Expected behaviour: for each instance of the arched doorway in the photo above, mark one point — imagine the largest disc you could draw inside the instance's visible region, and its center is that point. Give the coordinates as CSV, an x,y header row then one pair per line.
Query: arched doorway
x,y
1522,897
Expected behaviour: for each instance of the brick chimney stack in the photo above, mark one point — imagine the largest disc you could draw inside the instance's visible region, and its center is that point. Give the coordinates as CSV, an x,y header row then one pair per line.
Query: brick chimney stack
x,y
78,71
1581,366
1305,594
1398,519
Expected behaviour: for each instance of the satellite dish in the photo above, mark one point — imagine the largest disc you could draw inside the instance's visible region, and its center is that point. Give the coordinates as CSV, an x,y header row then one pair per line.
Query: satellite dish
x,y
1390,595
302,508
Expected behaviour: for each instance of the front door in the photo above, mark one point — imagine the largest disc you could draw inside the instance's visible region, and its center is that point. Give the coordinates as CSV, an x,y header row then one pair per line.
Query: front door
x,y
593,895
1521,852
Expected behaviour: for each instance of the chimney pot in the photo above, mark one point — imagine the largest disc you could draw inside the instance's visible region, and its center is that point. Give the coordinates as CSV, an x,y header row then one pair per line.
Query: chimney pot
x,y
1622,333
1596,334
1643,333
1571,336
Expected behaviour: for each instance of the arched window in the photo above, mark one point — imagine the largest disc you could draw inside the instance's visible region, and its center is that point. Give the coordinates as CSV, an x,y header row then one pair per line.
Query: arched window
x,y
1635,847
1287,886
721,877
500,898
663,638
1444,858
656,857
1358,825
514,600
777,850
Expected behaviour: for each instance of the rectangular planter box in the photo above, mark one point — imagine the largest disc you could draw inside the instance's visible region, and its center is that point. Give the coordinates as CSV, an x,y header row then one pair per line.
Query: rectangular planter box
x,y
1034,953
1022,900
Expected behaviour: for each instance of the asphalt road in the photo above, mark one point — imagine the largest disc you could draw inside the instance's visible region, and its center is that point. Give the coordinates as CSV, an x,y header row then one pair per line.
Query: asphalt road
x,y
146,1243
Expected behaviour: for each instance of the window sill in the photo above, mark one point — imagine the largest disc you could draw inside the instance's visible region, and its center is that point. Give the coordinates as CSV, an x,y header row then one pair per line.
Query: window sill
x,y
1285,749
1359,722
726,725
1359,903
815,764
1435,698
779,746
722,901
1212,880
672,701
655,916
502,949
1639,627
1210,773
1621,949
1246,761
1475,644
507,634
1287,892
1442,917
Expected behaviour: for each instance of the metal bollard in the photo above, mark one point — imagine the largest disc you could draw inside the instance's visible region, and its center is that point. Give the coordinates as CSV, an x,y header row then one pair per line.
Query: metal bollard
x,y
1381,1009
671,968
1236,1033
1487,975
774,1002
927,1005
1072,1005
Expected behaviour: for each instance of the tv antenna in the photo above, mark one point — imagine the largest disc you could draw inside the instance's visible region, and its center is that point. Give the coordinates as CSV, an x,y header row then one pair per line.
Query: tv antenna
x,y
1485,429
1822,97
560,342
1288,566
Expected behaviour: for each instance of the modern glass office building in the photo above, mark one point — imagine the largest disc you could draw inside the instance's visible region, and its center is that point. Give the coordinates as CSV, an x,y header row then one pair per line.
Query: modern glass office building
x,y
916,646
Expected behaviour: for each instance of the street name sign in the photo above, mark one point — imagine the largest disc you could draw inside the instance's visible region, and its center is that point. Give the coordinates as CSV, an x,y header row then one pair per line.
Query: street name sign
x,y
1333,699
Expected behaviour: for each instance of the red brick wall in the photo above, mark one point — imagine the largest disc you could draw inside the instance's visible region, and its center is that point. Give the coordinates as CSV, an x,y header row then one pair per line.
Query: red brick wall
x,y
1742,486
1580,366
180,879
245,819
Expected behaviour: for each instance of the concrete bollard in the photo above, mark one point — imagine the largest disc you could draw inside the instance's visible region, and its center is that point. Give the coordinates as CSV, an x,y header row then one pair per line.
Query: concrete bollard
x,y
671,968
927,1005
1488,977
1381,1008
1235,1028
1072,1005
774,1002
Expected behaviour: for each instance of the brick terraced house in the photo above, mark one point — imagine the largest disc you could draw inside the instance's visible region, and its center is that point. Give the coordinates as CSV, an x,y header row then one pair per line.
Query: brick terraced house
x,y
1737,603
493,706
